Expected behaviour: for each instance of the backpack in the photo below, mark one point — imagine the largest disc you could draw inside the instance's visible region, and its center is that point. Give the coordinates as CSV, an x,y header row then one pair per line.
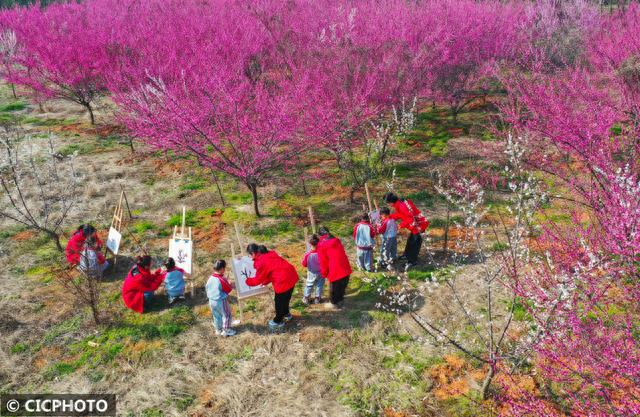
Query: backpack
x,y
419,221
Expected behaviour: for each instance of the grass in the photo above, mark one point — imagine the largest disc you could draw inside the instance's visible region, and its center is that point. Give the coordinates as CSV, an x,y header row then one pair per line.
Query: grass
x,y
77,149
142,226
19,348
230,361
271,231
14,106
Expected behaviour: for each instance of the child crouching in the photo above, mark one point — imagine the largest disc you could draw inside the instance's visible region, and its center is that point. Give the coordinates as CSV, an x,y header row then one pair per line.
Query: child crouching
x,y
218,289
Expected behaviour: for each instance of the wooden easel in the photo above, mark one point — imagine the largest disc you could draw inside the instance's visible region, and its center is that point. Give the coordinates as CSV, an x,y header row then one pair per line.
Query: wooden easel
x,y
116,220
184,236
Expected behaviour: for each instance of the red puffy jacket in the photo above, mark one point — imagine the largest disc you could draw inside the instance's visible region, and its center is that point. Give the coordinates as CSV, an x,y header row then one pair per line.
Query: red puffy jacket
x,y
76,245
334,263
272,268
138,281
410,217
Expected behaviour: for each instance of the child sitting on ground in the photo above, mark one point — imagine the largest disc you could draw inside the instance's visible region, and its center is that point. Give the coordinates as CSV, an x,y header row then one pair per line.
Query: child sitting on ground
x,y
92,261
389,230
218,289
174,282
363,234
314,278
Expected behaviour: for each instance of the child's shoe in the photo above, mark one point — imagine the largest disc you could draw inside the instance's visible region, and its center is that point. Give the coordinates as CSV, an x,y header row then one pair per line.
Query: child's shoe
x,y
218,332
317,300
228,332
288,318
275,326
235,322
305,300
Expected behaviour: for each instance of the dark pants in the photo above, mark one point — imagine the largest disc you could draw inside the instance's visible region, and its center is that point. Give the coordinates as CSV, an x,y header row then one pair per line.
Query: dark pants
x,y
337,289
412,250
282,305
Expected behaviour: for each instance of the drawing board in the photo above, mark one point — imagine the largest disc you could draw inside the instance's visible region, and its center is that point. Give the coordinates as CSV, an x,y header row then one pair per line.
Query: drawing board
x,y
181,250
243,269
113,240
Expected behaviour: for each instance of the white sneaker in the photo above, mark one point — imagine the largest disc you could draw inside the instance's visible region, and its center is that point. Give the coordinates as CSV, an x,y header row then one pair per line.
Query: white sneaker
x,y
330,306
275,326
218,332
228,332
235,322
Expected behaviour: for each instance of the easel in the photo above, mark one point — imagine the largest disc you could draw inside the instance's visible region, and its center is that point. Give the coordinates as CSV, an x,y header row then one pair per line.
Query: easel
x,y
183,236
116,220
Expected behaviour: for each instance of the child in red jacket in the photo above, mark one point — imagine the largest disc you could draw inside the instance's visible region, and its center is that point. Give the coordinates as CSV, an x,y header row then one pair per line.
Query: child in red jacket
x,y
411,219
139,283
272,268
334,265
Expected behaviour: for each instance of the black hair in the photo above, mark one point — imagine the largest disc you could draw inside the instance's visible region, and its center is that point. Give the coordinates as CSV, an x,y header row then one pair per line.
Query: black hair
x,y
390,198
143,261
314,240
385,210
253,248
88,230
219,265
170,263
323,230
90,241
364,217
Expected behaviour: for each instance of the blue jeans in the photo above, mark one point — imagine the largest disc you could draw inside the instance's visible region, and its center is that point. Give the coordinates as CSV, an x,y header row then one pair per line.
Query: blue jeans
x,y
365,259
314,280
221,313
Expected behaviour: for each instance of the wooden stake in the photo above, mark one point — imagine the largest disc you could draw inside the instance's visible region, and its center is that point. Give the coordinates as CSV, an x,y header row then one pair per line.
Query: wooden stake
x,y
366,189
233,256
235,225
312,220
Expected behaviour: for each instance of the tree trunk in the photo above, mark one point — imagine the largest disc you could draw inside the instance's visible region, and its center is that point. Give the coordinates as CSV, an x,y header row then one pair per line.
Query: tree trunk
x,y
487,381
56,239
254,194
304,186
215,179
445,245
13,90
352,195
91,115
131,144
95,313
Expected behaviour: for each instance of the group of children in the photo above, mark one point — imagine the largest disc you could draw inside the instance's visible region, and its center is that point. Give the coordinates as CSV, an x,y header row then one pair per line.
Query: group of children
x,y
364,234
325,259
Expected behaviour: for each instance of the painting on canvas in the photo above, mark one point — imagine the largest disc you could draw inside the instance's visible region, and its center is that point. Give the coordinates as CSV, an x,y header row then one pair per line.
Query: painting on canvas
x,y
181,250
113,241
243,269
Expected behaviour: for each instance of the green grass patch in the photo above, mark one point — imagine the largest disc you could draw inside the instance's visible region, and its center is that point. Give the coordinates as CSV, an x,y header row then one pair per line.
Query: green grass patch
x,y
19,348
239,198
14,106
59,370
142,226
273,230
65,328
77,148
230,215
230,361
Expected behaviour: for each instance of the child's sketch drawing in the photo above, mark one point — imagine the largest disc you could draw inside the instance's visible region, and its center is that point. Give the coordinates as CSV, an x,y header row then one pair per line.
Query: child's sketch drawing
x,y
243,269
181,250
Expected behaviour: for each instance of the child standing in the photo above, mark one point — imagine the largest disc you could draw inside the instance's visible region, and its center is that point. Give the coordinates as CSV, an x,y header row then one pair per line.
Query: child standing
x,y
218,289
389,230
174,282
363,234
314,278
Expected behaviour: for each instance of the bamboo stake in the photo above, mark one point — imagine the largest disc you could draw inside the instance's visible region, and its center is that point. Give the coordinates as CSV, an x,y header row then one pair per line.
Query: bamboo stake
x,y
312,220
235,226
366,189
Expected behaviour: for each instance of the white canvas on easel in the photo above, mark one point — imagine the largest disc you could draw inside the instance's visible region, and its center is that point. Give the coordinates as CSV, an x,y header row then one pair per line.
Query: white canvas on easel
x,y
113,240
181,246
243,269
